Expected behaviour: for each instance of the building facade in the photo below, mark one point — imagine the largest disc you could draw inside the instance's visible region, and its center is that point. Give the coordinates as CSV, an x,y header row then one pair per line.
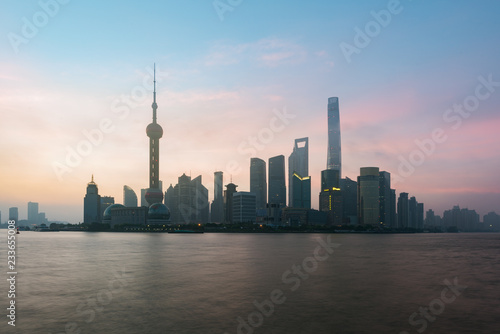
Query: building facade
x,y
334,157
298,163
244,207
277,181
92,204
129,197
14,214
217,209
302,191
368,196
258,184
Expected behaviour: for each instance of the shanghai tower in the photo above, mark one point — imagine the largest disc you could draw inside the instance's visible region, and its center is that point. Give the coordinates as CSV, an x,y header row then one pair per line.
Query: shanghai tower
x,y
334,156
154,132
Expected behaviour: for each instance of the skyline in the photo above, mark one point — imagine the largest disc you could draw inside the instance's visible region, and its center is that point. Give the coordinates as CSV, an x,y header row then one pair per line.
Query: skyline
x,y
221,83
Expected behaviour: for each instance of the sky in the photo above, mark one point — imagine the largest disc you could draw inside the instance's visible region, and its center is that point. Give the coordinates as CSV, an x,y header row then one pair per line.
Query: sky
x,y
418,85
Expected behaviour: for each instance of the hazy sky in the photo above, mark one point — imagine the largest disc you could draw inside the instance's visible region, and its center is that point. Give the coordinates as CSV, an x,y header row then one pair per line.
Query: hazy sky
x,y
417,81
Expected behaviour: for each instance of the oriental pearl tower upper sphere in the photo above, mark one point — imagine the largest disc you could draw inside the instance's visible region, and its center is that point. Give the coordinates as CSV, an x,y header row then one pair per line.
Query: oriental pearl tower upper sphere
x,y
154,132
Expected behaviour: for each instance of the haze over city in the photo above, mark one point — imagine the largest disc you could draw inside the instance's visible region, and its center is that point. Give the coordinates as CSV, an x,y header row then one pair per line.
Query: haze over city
x,y
246,82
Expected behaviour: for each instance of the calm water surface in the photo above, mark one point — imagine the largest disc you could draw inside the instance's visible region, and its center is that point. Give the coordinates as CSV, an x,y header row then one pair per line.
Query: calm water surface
x,y
77,282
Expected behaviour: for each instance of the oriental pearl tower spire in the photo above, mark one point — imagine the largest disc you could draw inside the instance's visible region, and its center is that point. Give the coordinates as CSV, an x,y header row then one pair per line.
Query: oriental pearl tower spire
x,y
154,132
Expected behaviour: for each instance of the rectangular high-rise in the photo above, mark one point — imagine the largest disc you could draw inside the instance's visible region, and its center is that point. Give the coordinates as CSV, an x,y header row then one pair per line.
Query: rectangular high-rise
x,y
334,154
298,163
277,183
368,196
32,212
302,192
217,209
385,198
403,211
244,207
258,184
14,214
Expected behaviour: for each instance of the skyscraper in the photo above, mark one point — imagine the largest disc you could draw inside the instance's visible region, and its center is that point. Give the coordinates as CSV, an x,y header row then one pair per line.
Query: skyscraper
x,y
330,196
14,214
129,197
420,216
334,154
412,210
349,190
33,213
92,204
217,209
188,201
154,132
368,196
385,198
392,209
277,183
199,201
258,184
298,163
228,202
302,192
403,211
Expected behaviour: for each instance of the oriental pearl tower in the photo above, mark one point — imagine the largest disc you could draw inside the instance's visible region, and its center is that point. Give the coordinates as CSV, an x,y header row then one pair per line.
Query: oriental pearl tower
x,y
154,132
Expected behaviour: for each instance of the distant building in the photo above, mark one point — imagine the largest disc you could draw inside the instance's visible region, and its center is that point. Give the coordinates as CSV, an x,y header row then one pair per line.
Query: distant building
x,y
385,198
41,219
392,209
430,218
463,220
217,209
200,201
349,190
228,202
143,197
420,216
92,204
301,195
301,216
33,213
14,214
105,202
330,196
368,196
334,156
188,201
298,163
244,207
403,211
331,202
258,184
492,221
277,183
129,197
412,211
